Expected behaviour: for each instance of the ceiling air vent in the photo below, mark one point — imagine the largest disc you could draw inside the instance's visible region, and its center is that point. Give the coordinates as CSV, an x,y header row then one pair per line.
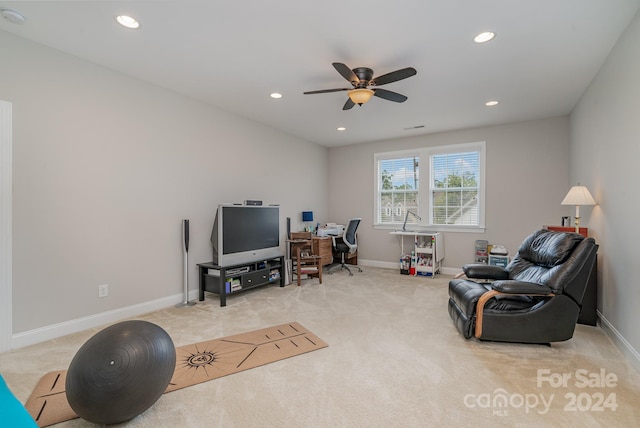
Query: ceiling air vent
x,y
413,127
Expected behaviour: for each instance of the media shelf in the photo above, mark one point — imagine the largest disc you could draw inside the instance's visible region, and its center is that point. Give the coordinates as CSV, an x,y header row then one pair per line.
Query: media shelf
x,y
228,280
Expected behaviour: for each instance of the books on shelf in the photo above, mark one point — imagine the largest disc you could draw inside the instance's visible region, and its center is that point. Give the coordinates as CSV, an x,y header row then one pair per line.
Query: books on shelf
x,y
233,284
274,275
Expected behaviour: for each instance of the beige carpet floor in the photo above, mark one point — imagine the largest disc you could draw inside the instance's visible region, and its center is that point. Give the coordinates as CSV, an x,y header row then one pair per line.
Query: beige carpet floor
x,y
394,360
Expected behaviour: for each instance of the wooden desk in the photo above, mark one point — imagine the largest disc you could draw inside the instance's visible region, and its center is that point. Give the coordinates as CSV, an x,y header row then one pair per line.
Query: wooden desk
x,y
320,246
323,247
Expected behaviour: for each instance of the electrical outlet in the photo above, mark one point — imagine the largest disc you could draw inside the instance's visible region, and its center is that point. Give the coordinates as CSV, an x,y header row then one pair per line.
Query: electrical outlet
x,y
103,290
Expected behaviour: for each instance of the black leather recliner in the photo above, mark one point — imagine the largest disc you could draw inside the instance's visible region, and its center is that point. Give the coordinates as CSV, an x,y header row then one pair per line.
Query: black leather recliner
x,y
535,299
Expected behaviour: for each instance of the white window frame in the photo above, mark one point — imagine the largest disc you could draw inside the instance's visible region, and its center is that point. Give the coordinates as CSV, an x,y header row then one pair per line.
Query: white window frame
x,y
424,191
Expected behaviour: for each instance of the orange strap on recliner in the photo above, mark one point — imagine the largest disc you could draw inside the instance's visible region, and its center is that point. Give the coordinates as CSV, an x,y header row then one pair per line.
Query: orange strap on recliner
x,y
485,298
480,309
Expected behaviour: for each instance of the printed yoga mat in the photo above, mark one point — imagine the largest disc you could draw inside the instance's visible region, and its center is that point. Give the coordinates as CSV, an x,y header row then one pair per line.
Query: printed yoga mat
x,y
195,364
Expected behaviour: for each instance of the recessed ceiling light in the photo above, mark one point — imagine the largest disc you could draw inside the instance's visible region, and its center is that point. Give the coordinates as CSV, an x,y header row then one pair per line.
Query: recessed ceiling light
x,y
492,103
127,21
341,128
13,16
276,95
484,37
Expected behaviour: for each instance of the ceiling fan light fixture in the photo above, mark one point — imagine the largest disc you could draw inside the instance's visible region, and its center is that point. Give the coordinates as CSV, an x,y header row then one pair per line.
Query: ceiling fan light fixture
x,y
360,95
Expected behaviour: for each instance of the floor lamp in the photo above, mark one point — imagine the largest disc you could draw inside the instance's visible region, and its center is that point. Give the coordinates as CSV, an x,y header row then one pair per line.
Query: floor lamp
x,y
578,195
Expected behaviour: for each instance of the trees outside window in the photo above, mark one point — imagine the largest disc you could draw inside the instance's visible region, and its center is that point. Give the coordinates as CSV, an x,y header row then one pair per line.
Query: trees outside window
x,y
452,196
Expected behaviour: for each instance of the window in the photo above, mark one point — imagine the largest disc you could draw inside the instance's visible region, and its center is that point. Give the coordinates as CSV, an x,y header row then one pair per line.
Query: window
x,y
398,188
451,199
455,188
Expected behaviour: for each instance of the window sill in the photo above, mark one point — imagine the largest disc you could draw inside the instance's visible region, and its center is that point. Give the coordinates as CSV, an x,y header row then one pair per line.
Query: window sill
x,y
441,229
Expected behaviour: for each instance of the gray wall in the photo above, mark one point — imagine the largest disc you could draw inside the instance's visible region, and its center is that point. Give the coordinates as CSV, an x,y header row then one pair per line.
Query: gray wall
x,y
605,148
105,167
527,178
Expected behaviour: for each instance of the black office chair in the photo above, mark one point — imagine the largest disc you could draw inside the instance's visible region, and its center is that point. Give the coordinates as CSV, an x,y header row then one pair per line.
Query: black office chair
x,y
347,244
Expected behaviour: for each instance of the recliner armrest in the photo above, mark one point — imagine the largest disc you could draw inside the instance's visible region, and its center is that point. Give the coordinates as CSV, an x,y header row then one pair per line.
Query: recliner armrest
x,y
484,271
520,287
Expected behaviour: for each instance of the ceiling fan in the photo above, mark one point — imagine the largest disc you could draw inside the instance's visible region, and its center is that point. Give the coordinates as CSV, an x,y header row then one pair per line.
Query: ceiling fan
x,y
361,78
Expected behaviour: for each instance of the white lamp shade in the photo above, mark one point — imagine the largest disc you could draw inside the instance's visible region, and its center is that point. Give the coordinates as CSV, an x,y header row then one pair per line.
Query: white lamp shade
x,y
578,195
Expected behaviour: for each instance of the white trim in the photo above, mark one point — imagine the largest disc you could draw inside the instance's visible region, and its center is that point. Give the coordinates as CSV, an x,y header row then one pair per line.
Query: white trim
x,y
432,229
378,264
73,326
396,266
6,159
396,154
623,344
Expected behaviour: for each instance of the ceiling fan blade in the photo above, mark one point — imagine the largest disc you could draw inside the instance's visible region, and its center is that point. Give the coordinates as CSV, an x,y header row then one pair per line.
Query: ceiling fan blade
x,y
394,76
348,105
346,72
322,91
389,95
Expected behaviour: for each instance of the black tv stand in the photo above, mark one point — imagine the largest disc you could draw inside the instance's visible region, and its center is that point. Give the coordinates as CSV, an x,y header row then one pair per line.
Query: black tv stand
x,y
228,280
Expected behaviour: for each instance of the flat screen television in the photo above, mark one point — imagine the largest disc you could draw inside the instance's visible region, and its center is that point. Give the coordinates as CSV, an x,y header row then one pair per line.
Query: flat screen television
x,y
245,234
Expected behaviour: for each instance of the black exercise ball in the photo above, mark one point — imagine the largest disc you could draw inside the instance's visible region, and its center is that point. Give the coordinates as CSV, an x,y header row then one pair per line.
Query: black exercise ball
x,y
120,372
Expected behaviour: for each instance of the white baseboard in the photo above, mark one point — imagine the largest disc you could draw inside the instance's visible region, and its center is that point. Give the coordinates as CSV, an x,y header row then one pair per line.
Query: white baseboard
x,y
53,331
396,265
375,263
629,351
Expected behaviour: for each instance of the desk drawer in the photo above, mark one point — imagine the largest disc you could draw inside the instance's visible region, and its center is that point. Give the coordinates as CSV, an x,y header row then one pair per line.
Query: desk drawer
x,y
323,247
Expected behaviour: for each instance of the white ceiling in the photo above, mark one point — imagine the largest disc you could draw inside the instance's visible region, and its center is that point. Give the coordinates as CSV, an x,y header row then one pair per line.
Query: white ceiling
x,y
233,54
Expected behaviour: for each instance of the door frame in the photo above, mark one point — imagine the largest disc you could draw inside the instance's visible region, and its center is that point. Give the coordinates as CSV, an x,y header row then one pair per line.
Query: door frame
x,y
6,173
